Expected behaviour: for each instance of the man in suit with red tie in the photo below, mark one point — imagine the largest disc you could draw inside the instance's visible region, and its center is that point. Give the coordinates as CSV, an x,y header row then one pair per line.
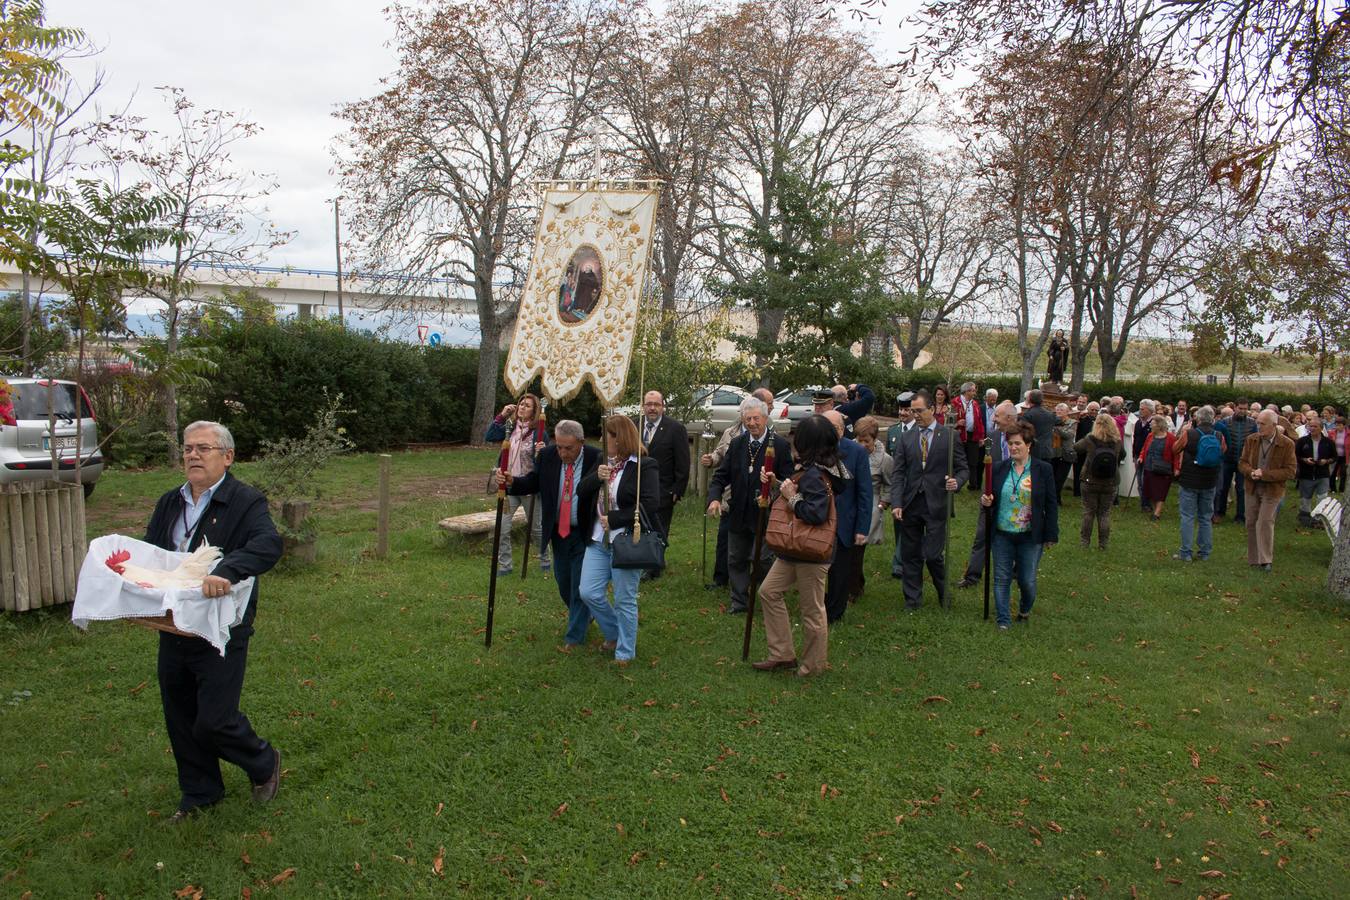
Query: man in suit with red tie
x,y
919,489
970,432
557,471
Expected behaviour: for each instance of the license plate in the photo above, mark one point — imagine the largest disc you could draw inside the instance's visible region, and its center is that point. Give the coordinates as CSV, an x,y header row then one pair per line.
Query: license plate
x,y
61,443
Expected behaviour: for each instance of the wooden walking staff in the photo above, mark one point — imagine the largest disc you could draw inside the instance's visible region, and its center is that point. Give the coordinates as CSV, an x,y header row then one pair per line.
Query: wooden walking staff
x,y
951,511
988,520
503,463
759,542
539,429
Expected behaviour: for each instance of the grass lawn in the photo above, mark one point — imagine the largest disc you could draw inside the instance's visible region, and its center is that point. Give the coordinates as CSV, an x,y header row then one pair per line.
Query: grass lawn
x,y
1162,729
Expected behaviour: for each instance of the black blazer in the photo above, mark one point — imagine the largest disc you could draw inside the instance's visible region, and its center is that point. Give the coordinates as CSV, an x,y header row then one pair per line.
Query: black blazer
x,y
544,482
669,449
1044,422
911,474
738,473
237,521
1044,498
1326,455
622,513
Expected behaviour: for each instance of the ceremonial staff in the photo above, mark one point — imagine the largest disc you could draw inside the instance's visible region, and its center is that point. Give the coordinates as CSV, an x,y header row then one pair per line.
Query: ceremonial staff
x,y
951,510
988,520
529,512
503,463
759,540
704,446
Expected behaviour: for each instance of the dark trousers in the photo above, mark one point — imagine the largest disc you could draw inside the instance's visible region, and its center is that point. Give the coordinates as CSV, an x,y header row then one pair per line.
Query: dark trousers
x,y
720,576
663,516
568,553
1078,475
1230,470
839,579
740,565
975,459
200,691
897,558
975,566
924,538
1339,473
1062,467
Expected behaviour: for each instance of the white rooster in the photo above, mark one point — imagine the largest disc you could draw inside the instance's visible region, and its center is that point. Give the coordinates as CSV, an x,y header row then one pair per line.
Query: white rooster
x,y
189,573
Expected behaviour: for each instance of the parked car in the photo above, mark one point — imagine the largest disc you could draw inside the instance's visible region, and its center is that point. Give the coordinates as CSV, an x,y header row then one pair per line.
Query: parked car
x,y
26,446
795,405
714,405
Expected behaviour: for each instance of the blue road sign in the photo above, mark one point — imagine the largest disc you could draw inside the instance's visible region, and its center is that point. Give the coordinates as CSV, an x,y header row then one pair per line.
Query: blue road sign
x,y
434,339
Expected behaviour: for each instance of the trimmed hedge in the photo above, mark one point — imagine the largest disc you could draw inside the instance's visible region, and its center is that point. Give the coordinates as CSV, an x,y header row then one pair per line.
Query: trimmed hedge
x,y
272,376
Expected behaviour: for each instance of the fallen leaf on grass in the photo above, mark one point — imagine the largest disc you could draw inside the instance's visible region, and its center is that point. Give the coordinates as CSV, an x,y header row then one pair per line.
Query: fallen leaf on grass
x,y
648,702
1173,880
936,698
723,792
439,807
188,892
283,876
636,857
559,811
138,688
981,845
1157,864
438,864
1195,757
1211,873
246,893
244,858
1055,826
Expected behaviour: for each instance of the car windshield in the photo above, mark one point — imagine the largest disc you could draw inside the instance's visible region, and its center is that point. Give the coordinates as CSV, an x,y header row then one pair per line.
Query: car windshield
x,y
801,398
30,401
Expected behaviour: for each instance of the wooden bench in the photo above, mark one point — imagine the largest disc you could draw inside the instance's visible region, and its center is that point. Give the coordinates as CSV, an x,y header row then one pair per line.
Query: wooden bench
x,y
480,522
1328,512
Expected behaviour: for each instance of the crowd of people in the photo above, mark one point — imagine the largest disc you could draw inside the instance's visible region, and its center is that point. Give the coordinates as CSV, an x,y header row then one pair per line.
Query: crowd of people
x,y
839,478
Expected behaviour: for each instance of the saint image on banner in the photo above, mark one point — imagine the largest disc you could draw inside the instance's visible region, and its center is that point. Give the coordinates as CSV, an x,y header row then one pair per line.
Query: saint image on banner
x,y
581,285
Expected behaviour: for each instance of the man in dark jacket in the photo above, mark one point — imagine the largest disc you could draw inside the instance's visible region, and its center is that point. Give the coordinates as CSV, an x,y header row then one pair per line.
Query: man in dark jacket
x,y
1043,420
919,488
739,471
564,521
198,687
1316,453
667,445
1235,431
853,519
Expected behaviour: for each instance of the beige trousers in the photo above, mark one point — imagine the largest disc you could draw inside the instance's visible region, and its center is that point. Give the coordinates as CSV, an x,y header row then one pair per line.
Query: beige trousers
x,y
1261,509
810,581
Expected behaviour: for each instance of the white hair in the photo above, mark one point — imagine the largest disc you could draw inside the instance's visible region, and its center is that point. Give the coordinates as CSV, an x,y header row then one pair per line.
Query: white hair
x,y
569,428
223,436
754,404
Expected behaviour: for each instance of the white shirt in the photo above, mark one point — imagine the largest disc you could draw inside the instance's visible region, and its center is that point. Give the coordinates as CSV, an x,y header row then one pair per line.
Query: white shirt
x,y
649,430
598,532
185,525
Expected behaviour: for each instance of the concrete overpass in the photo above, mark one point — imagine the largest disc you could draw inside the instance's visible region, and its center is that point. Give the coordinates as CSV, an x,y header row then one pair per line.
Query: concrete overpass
x,y
310,291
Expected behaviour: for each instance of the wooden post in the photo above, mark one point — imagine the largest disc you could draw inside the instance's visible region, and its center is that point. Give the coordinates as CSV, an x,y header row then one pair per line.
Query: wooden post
x,y
79,530
33,593
382,532
69,539
6,556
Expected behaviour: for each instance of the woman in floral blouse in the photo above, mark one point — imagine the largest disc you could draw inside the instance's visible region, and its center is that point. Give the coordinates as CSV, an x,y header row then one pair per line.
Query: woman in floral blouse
x,y
1026,520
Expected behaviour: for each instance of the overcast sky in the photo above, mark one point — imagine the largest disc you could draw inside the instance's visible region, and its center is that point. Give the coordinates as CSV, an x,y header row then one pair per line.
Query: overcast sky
x,y
286,64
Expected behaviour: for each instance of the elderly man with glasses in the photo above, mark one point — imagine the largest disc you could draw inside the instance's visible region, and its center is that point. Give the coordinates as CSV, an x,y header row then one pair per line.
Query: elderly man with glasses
x,y
200,688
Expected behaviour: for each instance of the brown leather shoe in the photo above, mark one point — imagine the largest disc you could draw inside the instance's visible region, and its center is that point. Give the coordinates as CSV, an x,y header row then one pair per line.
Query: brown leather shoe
x,y
768,665
264,792
609,645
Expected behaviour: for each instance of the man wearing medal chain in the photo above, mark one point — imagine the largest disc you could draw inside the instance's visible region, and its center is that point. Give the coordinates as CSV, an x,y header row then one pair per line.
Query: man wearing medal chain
x,y
199,688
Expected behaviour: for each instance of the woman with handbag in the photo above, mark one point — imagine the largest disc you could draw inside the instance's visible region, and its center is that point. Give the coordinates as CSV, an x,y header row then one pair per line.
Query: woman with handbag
x,y
1158,462
614,489
801,533
518,423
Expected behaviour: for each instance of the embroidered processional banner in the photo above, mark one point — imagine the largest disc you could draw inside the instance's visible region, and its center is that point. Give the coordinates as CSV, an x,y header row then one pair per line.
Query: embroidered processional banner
x,y
578,316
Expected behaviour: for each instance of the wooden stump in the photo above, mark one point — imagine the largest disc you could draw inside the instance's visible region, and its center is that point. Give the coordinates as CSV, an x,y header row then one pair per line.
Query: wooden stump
x,y
293,516
42,543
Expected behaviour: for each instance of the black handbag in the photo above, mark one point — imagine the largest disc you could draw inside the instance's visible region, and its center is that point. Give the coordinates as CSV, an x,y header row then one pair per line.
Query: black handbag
x,y
642,547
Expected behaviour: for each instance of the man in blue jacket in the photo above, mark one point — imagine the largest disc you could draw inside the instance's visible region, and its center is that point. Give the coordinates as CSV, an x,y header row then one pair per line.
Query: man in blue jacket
x,y
198,687
853,519
564,522
852,402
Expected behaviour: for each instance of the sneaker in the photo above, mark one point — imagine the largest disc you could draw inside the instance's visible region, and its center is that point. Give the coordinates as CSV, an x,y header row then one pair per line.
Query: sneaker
x,y
1180,557
1239,521
1004,627
968,582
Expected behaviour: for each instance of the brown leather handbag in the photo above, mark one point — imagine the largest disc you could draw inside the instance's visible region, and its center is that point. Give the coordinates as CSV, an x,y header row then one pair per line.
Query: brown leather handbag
x,y
789,536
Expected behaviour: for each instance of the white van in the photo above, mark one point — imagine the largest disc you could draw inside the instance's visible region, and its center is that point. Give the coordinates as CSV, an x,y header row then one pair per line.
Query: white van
x,y
26,447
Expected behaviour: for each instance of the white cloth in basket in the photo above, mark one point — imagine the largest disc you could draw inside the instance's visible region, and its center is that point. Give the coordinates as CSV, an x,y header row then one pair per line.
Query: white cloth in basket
x,y
103,594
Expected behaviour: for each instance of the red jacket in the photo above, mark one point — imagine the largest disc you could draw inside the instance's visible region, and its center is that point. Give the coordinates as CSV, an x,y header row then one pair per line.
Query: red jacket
x,y
1169,453
959,404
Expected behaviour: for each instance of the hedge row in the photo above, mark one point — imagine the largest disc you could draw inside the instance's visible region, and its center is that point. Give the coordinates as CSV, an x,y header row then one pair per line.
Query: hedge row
x,y
272,377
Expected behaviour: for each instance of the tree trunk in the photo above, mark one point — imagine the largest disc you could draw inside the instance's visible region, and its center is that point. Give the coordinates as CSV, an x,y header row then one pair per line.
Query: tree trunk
x,y
485,397
768,325
1232,372
1110,365
1338,577
26,327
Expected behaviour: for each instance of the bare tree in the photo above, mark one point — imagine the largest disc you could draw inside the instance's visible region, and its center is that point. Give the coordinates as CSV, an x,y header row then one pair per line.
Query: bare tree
x,y
437,169
940,257
216,211
801,93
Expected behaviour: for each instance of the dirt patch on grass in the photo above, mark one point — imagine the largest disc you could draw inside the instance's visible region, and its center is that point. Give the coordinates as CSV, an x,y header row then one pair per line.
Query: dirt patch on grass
x,y
423,488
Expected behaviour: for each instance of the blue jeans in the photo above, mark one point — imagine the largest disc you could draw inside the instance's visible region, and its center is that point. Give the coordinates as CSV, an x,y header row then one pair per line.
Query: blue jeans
x,y
618,623
568,554
1197,508
1014,555
1230,469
